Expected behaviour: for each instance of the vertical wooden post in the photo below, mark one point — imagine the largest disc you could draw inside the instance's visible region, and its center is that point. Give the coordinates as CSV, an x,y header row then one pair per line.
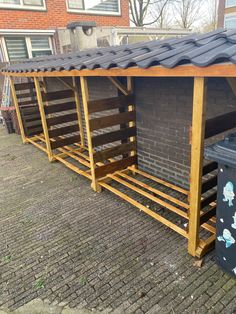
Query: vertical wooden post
x,y
78,110
131,108
85,96
18,113
43,118
197,150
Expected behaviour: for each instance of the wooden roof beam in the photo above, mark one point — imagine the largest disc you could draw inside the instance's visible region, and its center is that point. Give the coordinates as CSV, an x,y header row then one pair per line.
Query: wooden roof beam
x,y
227,70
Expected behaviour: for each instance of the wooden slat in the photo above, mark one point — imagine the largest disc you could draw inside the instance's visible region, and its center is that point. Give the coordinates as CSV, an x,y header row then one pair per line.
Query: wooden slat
x,y
35,131
29,109
160,181
110,103
32,117
145,209
60,107
113,136
33,123
208,200
61,94
207,215
209,184
63,131
108,121
65,141
73,167
209,168
26,95
114,166
149,196
220,124
114,151
61,119
155,191
24,86
27,102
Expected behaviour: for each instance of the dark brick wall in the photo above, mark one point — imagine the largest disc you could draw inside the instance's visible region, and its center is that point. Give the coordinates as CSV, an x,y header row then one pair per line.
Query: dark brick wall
x,y
164,113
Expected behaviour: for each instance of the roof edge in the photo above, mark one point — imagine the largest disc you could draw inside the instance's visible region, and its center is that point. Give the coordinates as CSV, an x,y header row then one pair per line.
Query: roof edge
x,y
216,70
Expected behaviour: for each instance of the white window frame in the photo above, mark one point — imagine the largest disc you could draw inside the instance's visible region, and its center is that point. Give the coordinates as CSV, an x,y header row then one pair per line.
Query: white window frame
x,y
28,46
23,6
229,6
230,15
91,12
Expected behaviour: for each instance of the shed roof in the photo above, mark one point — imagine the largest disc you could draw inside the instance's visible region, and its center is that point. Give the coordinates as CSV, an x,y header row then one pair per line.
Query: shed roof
x,y
203,50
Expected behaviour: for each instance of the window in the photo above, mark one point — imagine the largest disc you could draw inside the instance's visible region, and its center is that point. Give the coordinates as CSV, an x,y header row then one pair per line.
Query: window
x,y
230,3
230,21
94,6
27,47
23,4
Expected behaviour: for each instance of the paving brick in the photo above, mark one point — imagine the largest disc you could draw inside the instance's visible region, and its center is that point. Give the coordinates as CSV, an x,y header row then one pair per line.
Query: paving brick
x,y
59,231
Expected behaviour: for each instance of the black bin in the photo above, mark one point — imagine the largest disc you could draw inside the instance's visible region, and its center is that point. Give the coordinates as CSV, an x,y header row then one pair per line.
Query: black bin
x,y
224,152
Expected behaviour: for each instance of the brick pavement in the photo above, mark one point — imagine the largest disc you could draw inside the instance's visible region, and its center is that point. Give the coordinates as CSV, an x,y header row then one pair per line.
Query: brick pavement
x,y
62,242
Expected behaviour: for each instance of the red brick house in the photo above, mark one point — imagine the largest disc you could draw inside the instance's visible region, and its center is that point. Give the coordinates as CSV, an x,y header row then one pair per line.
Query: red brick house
x,y
227,13
28,27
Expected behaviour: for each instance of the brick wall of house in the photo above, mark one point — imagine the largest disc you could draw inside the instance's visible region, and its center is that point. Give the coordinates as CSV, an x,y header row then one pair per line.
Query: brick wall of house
x,y
164,113
57,16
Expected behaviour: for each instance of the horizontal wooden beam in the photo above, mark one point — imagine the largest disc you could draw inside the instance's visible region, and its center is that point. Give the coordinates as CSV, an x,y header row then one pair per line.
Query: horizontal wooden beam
x,y
209,168
65,141
108,121
113,136
63,130
219,70
24,86
111,152
110,103
102,171
62,119
60,94
209,184
208,215
220,124
60,107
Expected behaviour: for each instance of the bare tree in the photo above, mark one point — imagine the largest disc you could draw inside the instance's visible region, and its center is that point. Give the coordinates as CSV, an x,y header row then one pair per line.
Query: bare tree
x,y
161,12
211,17
140,11
187,12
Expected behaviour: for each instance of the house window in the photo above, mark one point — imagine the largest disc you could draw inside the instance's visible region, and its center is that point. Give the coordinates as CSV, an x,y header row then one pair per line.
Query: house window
x,y
230,3
230,21
94,6
27,47
23,4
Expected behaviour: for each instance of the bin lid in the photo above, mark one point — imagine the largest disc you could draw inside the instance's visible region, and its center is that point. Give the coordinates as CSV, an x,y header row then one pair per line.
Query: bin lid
x,y
223,152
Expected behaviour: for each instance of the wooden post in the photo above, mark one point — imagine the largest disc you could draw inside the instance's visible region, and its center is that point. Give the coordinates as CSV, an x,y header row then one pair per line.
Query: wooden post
x,y
75,88
43,118
18,113
131,124
85,96
197,149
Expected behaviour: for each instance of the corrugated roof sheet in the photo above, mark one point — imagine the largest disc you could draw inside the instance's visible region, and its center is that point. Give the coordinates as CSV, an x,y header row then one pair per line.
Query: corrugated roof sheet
x,y
199,50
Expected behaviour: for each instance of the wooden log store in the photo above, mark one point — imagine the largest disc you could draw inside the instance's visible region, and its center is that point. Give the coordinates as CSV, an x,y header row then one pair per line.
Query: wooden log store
x,y
98,138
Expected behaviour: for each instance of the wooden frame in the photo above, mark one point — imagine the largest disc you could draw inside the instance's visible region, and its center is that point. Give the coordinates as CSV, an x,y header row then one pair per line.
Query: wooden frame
x,y
218,70
102,168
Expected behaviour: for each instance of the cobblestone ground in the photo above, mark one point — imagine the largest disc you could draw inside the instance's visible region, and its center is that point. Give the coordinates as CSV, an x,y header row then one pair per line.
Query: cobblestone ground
x,y
62,242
